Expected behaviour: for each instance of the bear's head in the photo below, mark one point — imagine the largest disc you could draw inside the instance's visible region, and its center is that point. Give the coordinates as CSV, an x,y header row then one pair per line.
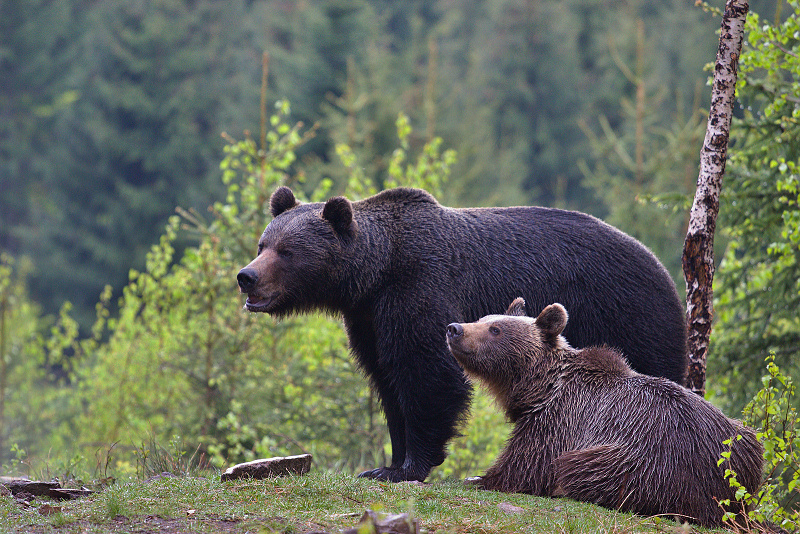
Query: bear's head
x,y
499,349
295,269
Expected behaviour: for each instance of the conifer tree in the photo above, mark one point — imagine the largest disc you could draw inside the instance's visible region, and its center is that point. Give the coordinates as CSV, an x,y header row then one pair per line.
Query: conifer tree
x,y
142,139
36,49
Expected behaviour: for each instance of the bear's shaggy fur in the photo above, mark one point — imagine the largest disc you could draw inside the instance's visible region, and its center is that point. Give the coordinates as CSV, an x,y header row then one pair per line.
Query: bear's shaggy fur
x,y
588,427
399,267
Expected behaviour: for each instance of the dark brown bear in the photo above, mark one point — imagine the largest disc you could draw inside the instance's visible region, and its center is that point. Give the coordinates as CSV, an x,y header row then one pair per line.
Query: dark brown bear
x,y
399,267
588,427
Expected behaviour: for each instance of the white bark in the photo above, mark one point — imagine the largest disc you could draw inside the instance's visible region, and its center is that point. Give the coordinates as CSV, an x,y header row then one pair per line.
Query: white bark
x,y
698,251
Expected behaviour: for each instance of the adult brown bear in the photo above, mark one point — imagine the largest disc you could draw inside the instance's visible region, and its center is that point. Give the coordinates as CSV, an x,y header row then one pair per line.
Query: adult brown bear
x,y
399,267
588,427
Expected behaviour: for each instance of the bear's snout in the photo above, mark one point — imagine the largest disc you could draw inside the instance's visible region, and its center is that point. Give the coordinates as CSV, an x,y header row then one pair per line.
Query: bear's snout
x,y
454,330
247,278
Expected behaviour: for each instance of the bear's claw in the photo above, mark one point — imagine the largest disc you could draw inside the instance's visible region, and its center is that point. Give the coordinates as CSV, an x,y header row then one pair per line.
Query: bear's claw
x,y
393,474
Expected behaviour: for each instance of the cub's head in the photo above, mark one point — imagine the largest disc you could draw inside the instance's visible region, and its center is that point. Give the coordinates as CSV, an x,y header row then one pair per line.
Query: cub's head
x,y
298,255
499,348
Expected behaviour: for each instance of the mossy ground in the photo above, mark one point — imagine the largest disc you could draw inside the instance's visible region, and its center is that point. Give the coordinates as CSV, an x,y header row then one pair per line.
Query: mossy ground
x,y
316,502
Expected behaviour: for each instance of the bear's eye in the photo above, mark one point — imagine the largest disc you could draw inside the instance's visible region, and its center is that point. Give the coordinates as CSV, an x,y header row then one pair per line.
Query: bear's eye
x,y
260,249
494,330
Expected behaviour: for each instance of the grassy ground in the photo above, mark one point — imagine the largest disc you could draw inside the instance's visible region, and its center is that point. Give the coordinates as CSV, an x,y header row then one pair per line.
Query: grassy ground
x,y
316,502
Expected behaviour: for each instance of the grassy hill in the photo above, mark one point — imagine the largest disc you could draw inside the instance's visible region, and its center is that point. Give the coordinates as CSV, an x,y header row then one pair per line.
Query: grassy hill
x,y
318,502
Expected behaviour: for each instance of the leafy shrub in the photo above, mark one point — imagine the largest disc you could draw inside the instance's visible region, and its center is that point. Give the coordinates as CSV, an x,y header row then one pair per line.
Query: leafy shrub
x,y
772,414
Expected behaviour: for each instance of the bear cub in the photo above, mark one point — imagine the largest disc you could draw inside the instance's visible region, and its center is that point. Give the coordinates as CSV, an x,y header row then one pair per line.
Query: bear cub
x,y
588,427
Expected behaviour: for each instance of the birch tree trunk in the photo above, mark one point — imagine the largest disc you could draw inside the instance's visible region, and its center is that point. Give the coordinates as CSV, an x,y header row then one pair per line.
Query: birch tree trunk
x,y
698,249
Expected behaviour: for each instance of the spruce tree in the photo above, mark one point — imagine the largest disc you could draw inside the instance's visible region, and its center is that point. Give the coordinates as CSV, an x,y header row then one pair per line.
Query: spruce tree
x,y
36,50
142,138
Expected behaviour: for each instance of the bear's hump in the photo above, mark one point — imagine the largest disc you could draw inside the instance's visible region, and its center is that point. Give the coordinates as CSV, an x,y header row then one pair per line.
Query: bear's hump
x,y
402,195
603,360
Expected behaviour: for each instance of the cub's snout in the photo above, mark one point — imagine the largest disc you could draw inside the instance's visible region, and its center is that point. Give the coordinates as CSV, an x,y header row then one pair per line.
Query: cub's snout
x,y
454,330
462,340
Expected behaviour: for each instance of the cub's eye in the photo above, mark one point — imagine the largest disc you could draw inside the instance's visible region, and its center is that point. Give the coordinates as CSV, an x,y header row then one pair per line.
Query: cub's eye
x,y
494,330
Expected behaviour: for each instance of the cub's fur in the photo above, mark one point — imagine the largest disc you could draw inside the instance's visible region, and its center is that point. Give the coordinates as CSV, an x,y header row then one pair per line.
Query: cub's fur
x,y
588,427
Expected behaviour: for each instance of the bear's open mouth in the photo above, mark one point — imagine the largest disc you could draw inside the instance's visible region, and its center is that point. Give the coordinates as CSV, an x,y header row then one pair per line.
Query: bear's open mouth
x,y
257,303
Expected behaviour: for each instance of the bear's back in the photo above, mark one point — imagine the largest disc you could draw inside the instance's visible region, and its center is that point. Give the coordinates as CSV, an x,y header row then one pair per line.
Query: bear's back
x,y
602,363
477,260
649,414
649,440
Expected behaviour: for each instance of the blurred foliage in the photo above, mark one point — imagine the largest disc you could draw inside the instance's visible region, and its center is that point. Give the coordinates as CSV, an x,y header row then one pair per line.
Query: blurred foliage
x,y
645,168
758,283
21,352
36,370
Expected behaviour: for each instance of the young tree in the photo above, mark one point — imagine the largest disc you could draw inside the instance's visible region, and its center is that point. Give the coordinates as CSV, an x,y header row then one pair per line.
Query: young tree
x,y
758,293
698,251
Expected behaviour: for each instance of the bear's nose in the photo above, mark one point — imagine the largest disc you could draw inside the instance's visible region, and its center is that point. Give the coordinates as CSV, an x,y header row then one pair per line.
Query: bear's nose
x,y
247,278
454,330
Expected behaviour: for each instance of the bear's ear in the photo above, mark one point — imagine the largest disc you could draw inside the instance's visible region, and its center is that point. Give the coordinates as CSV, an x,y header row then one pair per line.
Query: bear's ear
x,y
517,308
281,200
552,321
339,213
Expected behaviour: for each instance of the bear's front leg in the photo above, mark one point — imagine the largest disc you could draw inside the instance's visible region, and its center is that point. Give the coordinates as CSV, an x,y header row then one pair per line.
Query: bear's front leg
x,y
403,466
397,434
416,465
430,391
363,343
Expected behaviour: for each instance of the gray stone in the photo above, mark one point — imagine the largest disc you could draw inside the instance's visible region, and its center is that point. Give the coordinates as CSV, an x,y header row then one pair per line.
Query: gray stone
x,y
509,508
270,467
22,488
374,523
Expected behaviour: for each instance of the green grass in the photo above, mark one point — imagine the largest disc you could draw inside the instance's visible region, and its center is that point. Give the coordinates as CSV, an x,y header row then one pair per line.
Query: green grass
x,y
315,502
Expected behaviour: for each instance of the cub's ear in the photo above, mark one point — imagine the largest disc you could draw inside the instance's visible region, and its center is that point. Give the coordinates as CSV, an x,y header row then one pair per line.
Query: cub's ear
x,y
281,200
552,321
339,213
517,308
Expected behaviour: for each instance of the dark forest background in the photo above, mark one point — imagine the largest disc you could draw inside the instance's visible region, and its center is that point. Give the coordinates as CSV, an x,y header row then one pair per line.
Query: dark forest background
x,y
112,111
112,114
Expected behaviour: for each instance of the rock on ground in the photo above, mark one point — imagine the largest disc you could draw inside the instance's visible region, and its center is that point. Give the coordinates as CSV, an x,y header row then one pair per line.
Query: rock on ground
x,y
270,467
